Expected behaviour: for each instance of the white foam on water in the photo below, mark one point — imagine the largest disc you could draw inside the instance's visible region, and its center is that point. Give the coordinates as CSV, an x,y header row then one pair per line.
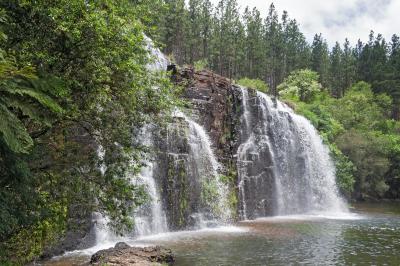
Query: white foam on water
x,y
312,217
192,233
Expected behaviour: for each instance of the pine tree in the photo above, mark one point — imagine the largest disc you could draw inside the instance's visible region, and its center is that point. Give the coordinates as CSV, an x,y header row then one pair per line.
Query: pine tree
x,y
297,51
193,36
394,64
206,24
253,43
320,59
348,65
336,71
174,27
273,49
227,33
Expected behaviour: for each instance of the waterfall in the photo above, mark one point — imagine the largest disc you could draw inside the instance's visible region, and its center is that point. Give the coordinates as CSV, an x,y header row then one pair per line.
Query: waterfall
x,y
203,166
284,167
150,218
201,172
159,61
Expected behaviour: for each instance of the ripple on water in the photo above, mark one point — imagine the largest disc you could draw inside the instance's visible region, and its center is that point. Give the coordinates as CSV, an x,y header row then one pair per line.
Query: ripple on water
x,y
315,239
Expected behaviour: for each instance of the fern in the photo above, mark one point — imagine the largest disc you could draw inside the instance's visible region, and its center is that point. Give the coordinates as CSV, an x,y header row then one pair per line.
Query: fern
x,y
19,91
13,131
33,111
37,95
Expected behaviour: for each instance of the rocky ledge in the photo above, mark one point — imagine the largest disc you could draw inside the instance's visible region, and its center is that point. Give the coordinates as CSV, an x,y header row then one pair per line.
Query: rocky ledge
x,y
123,254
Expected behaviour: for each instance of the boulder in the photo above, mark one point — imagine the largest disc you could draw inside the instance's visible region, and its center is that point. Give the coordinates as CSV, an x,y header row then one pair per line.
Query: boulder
x,y
123,254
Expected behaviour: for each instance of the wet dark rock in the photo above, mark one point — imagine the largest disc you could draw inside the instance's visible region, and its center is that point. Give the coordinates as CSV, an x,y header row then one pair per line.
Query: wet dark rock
x,y
213,105
125,255
214,102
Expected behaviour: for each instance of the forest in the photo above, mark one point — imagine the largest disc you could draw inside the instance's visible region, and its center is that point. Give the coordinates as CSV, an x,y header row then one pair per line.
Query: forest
x,y
74,85
351,92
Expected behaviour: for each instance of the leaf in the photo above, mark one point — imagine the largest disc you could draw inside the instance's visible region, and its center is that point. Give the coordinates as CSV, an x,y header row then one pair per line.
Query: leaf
x,y
27,108
37,95
13,131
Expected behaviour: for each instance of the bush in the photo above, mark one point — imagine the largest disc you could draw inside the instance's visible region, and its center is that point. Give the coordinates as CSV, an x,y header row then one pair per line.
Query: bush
x,y
255,84
200,64
300,85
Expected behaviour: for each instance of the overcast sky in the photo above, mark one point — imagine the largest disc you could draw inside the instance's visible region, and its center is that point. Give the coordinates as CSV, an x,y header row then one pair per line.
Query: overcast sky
x,y
337,19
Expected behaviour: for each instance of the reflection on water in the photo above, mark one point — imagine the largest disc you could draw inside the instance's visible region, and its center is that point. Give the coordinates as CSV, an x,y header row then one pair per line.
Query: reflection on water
x,y
309,240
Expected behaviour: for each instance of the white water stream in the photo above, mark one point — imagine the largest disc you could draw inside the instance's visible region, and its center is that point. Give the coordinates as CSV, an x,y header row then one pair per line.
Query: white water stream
x,y
301,168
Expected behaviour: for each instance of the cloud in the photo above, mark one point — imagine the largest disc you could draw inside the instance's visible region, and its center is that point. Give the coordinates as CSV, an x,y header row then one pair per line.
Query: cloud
x,y
338,19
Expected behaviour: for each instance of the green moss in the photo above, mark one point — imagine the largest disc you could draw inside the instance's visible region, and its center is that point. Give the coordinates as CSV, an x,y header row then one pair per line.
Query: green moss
x,y
183,193
230,179
178,195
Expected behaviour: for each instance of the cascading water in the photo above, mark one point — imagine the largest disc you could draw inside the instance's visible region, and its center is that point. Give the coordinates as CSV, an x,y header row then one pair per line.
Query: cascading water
x,y
203,167
200,171
159,61
150,218
283,166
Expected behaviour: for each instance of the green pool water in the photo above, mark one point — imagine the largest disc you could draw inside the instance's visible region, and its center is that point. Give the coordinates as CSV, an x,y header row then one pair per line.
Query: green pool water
x,y
371,237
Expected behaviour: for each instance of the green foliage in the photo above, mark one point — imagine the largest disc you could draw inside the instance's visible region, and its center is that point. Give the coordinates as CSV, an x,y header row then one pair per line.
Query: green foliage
x,y
209,194
360,108
29,242
20,92
345,170
230,180
363,140
200,64
255,84
300,85
73,76
13,131
369,153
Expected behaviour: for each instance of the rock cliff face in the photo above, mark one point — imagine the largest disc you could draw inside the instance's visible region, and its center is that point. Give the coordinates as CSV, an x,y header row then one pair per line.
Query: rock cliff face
x,y
180,171
214,106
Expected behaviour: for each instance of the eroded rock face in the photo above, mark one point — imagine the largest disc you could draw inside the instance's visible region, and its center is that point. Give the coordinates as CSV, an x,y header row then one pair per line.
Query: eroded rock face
x,y
179,189
125,255
215,103
212,103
